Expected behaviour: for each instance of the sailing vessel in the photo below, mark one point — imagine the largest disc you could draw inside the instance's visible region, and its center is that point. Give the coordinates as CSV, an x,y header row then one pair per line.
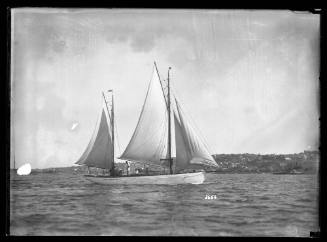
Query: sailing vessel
x,y
100,151
151,142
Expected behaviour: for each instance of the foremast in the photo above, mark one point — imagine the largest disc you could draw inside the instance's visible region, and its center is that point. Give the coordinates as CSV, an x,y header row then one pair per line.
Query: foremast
x,y
112,124
112,133
169,127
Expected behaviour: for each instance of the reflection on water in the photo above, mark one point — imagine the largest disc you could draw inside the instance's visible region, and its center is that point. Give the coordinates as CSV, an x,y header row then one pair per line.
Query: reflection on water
x,y
246,205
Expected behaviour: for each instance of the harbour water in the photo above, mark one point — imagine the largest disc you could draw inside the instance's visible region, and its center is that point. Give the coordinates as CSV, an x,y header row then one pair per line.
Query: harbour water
x,y
242,205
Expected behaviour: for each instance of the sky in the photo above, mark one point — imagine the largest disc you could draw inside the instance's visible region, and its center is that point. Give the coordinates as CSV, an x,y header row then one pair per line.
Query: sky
x,y
249,79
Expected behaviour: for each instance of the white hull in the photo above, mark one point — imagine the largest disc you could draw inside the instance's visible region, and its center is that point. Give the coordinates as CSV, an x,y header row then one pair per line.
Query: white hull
x,y
185,178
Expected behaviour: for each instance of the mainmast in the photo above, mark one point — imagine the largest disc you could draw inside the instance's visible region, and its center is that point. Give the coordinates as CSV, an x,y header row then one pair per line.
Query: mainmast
x,y
169,128
163,92
112,133
112,129
169,122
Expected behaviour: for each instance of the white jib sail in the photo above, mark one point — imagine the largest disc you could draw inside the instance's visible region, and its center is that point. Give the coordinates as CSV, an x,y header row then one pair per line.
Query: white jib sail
x,y
189,149
100,148
149,141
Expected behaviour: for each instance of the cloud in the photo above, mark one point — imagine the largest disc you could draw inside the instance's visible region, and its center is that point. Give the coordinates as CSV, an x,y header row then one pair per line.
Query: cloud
x,y
47,36
140,36
143,43
234,75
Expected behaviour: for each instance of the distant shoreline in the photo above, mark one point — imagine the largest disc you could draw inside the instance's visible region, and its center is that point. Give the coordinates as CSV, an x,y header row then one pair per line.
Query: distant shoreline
x,y
208,172
306,162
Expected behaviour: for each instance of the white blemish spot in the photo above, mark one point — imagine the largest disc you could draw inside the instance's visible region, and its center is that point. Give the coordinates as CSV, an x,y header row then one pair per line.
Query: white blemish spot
x,y
74,126
24,169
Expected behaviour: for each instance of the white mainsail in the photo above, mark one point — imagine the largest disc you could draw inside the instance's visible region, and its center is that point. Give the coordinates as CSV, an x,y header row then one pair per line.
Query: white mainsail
x,y
190,151
148,143
99,152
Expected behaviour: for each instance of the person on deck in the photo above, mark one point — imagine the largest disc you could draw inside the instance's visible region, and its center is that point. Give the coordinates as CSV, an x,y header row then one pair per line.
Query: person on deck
x,y
127,167
146,169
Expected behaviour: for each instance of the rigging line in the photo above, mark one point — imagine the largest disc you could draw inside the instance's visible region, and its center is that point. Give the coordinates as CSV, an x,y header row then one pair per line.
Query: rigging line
x,y
162,141
109,113
201,136
194,126
106,103
141,114
116,130
116,133
185,111
163,93
181,124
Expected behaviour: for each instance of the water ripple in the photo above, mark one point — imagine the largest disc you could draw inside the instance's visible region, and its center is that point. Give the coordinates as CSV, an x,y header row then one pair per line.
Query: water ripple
x,y
245,205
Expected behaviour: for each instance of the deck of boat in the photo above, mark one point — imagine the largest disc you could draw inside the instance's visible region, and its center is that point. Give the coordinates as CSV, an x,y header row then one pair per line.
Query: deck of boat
x,y
174,179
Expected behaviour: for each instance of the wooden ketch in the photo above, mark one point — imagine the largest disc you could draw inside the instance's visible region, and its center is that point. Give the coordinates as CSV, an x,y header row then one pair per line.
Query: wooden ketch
x,y
151,142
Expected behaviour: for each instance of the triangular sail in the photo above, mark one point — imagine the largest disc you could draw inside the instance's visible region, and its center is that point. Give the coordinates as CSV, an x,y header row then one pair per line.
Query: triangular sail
x,y
100,148
149,141
182,156
190,151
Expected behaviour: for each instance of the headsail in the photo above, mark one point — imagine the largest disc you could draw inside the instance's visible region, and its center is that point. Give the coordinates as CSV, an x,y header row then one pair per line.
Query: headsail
x,y
148,143
190,151
100,148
